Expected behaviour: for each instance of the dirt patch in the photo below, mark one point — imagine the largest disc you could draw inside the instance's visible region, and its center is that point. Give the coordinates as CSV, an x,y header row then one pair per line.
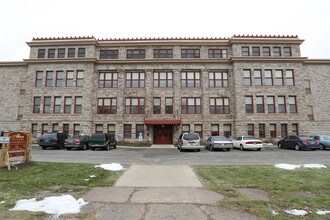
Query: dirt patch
x,y
254,194
305,194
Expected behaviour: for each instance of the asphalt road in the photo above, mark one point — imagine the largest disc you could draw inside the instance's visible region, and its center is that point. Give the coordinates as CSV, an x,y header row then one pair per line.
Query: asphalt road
x,y
171,156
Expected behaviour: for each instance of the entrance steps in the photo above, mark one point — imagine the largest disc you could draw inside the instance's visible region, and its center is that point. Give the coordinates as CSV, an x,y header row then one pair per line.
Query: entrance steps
x,y
161,146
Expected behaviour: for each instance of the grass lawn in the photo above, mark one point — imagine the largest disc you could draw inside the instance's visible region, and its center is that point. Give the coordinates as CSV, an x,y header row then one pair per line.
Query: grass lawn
x,y
66,178
282,187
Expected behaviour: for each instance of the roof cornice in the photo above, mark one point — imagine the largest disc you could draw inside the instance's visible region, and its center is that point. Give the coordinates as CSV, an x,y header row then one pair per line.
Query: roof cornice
x,y
317,61
268,59
13,63
77,60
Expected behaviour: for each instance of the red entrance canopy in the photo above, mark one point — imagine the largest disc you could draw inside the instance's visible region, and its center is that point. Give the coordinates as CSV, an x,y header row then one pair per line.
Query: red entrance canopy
x,y
162,121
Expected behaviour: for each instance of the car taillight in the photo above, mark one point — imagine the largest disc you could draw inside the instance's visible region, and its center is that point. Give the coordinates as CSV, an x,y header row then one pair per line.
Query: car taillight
x,y
56,140
317,141
65,142
305,141
77,141
253,142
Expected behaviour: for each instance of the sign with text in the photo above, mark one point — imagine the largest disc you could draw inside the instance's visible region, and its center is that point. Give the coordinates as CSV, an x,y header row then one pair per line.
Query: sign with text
x,y
4,140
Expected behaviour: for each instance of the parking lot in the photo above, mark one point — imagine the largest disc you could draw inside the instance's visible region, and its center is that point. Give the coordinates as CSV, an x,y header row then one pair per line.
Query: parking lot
x,y
269,155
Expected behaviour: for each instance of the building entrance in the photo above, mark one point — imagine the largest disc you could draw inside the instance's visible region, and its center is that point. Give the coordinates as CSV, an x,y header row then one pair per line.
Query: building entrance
x,y
162,134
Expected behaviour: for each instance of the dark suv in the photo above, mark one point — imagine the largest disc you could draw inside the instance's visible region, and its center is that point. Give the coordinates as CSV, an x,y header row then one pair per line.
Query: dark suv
x,y
53,139
102,140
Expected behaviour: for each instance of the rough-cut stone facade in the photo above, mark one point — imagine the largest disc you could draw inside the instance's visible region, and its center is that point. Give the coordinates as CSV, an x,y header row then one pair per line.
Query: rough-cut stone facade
x,y
311,83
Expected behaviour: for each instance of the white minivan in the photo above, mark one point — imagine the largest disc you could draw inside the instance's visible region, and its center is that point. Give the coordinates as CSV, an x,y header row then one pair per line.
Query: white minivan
x,y
189,141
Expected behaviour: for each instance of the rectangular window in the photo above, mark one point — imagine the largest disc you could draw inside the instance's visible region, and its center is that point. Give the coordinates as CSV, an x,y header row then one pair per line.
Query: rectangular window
x,y
139,130
266,51
292,104
135,79
57,104
99,128
199,130
276,51
67,104
49,78
190,53
41,53
134,105
127,131
47,104
245,51
271,104
61,53
163,79
190,79
108,54
34,130
191,105
272,130
295,129
260,104
287,51
268,78
217,53
76,129
281,104
247,81
59,78
44,128
250,129
78,105
71,52
135,53
107,106
279,78
108,80
112,129
51,53
218,79
36,104
227,130
156,106
66,128
262,132
255,51
248,104
163,53
219,105
284,130
81,52
69,78
289,78
39,78
257,77
55,127
214,130
185,128
80,78
168,105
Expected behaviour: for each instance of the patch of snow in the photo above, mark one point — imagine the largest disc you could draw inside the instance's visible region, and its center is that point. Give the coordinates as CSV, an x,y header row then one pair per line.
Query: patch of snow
x,y
320,212
297,212
56,205
314,166
2,202
86,179
112,166
287,166
274,213
92,176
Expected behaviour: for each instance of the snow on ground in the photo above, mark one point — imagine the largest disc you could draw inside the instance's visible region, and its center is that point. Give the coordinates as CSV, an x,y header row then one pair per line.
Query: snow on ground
x,y
321,212
56,205
2,202
112,166
292,166
297,212
274,213
92,176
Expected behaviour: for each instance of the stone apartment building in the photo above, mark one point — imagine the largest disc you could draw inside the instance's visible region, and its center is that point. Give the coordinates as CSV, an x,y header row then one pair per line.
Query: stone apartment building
x,y
154,89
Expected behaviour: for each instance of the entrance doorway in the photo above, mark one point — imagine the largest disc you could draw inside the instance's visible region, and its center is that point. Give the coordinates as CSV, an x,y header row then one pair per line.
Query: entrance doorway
x,y
162,134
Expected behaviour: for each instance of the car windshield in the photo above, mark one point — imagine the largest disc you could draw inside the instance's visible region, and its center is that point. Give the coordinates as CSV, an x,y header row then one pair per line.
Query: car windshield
x,y
100,135
220,138
190,137
50,135
249,138
305,138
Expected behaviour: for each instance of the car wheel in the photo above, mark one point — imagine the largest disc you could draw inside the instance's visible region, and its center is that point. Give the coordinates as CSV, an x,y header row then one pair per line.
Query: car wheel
x,y
211,148
181,150
44,148
92,148
259,149
114,146
296,147
279,145
68,148
108,147
241,147
228,149
198,150
322,147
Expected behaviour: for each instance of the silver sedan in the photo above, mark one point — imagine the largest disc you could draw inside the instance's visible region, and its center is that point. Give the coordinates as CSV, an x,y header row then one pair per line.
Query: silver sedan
x,y
218,142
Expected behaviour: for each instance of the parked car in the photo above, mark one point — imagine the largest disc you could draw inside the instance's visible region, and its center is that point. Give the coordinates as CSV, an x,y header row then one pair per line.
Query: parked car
x,y
53,139
299,142
247,142
189,141
102,140
218,142
324,141
77,141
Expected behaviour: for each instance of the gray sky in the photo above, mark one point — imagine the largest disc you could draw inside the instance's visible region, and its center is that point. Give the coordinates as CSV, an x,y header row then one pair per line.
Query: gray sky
x,y
21,20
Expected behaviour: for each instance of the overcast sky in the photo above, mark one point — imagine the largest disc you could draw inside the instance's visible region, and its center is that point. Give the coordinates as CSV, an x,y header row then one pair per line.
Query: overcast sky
x,y
22,20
